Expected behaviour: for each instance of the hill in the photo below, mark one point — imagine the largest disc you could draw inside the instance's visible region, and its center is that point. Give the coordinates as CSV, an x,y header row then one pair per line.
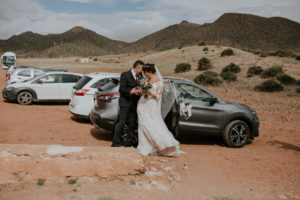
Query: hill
x,y
244,31
77,41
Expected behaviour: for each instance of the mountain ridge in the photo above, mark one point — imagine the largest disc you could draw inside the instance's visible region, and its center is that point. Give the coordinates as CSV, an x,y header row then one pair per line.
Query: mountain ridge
x,y
244,31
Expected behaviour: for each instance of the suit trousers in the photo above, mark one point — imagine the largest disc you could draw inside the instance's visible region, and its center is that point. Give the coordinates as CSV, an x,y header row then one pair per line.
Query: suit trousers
x,y
127,114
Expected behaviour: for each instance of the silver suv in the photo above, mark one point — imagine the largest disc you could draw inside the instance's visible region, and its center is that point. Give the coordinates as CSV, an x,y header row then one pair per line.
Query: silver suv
x,y
237,123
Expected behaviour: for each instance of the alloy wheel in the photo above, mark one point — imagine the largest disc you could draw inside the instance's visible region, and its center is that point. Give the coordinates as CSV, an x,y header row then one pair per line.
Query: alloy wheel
x,y
25,98
238,134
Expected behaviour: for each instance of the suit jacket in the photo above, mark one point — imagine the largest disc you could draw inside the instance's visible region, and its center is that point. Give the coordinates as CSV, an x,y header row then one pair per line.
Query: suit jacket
x,y
127,82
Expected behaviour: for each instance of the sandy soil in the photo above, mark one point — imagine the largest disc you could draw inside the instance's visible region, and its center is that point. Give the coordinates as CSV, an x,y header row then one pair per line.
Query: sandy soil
x,y
266,169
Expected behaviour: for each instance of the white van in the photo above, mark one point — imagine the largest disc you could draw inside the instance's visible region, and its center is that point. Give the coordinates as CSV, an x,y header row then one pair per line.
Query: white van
x,y
8,59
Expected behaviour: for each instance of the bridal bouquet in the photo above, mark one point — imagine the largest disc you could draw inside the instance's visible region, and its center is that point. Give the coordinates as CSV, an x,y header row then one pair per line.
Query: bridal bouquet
x,y
145,85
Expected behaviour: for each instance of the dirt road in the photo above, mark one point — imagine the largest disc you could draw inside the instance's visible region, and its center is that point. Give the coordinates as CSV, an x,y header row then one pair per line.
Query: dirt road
x,y
266,169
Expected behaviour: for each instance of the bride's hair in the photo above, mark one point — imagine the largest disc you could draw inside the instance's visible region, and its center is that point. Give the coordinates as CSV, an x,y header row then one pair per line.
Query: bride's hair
x,y
149,68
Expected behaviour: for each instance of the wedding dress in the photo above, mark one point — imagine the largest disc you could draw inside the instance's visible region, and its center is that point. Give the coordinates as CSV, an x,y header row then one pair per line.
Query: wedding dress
x,y
154,136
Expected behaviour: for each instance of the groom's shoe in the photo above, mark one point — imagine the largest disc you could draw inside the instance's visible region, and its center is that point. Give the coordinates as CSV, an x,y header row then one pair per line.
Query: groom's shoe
x,y
115,145
128,145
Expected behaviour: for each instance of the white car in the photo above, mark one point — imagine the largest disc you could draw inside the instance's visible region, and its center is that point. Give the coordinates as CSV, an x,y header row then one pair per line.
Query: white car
x,y
82,99
46,87
21,74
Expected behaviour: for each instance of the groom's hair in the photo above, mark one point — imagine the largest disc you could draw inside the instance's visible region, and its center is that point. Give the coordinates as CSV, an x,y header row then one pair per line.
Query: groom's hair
x,y
137,63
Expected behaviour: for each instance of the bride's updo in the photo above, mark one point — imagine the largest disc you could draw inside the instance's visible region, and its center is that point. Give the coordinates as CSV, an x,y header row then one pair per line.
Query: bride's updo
x,y
149,68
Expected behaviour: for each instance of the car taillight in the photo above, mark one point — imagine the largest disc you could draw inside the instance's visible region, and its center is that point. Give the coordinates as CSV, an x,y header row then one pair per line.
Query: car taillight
x,y
107,97
81,92
8,76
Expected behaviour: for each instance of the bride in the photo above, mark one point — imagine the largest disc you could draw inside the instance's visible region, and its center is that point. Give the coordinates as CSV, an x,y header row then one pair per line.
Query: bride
x,y
154,136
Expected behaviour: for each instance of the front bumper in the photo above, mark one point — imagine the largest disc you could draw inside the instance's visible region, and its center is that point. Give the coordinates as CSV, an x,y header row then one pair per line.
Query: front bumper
x,y
10,94
255,128
99,122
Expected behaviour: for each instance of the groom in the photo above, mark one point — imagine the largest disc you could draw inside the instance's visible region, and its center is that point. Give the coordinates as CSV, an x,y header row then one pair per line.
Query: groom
x,y
129,97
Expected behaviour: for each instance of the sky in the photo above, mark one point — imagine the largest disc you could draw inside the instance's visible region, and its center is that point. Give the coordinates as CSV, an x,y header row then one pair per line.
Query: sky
x,y
127,20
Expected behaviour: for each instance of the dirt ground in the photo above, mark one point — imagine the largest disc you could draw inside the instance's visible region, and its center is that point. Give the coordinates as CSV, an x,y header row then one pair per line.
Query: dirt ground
x,y
266,169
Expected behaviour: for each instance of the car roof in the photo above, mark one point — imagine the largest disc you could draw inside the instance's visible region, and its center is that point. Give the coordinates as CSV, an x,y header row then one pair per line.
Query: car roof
x,y
60,72
96,74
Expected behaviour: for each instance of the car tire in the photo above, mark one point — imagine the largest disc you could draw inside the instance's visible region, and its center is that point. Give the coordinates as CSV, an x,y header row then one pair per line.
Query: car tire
x,y
25,98
236,134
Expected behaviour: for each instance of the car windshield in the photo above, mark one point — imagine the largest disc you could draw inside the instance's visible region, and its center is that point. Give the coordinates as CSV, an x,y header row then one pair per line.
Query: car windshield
x,y
82,82
106,83
8,60
33,78
191,92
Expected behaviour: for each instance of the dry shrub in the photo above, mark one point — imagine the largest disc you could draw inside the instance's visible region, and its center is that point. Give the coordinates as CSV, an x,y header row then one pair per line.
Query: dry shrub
x,y
208,78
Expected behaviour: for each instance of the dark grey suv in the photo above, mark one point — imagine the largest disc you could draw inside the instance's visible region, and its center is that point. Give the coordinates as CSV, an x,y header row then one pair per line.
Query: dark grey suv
x,y
237,123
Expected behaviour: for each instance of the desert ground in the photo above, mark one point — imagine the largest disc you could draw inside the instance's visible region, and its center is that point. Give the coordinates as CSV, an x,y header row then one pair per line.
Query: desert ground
x,y
86,167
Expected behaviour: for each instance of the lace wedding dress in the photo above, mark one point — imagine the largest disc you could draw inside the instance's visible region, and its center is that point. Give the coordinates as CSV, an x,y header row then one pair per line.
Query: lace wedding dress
x,y
154,136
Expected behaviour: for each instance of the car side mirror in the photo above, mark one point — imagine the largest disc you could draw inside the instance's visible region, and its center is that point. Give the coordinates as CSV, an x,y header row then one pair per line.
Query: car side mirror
x,y
213,101
39,82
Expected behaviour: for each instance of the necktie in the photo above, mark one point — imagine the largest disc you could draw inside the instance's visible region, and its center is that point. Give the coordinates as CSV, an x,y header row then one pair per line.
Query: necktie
x,y
136,79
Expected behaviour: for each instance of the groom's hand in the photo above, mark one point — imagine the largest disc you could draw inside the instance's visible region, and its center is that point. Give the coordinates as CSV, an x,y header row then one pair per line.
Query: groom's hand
x,y
133,91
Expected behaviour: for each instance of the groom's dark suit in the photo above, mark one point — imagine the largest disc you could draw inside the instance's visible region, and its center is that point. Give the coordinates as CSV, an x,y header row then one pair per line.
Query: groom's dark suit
x,y
128,105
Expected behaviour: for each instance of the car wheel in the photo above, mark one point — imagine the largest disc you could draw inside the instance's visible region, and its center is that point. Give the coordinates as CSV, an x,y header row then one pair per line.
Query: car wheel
x,y
236,134
25,98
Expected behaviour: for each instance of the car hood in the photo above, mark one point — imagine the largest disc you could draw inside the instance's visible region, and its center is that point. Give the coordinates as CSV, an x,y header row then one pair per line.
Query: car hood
x,y
238,105
17,85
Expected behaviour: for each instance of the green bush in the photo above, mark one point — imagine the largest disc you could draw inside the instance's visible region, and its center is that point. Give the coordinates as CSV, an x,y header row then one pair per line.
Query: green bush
x,y
286,79
256,52
201,43
297,57
204,64
298,90
232,68
227,52
254,70
298,82
228,76
279,53
180,47
272,72
182,67
40,181
205,49
269,86
208,78
263,55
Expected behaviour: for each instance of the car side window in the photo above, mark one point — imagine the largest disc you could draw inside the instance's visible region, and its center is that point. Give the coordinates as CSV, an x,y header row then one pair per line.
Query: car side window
x,y
37,73
26,73
192,92
53,78
70,78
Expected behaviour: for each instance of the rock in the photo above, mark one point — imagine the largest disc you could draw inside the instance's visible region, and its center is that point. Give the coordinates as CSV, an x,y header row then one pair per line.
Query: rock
x,y
31,162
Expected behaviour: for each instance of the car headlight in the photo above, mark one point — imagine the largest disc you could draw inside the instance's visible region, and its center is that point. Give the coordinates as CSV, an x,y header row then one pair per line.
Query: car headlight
x,y
9,88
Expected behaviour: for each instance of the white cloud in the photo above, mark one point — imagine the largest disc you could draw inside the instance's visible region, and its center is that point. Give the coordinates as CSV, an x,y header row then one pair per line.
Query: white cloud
x,y
80,1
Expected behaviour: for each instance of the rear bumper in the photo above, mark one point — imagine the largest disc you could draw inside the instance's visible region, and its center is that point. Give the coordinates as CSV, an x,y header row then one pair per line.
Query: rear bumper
x,y
10,95
99,122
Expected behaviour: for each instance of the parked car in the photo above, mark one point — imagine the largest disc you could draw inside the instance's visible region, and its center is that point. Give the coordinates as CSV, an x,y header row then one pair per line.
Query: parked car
x,y
8,59
12,68
237,123
46,87
50,69
21,74
82,98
